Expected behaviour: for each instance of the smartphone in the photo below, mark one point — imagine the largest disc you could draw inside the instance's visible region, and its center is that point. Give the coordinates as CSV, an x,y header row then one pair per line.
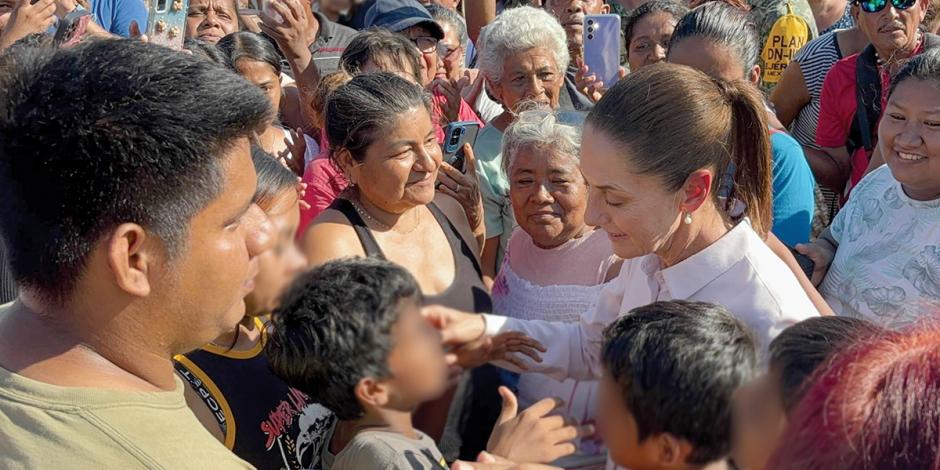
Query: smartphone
x,y
166,23
456,135
71,28
602,47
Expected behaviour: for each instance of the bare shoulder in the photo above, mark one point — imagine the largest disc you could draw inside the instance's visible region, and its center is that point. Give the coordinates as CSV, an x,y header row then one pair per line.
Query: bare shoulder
x,y
330,237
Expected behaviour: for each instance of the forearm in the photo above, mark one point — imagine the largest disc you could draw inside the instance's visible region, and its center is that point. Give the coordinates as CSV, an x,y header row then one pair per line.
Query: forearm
x,y
479,13
571,351
830,167
783,252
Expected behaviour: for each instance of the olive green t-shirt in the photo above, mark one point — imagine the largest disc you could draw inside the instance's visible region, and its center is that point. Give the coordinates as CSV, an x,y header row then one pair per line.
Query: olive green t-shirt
x,y
46,426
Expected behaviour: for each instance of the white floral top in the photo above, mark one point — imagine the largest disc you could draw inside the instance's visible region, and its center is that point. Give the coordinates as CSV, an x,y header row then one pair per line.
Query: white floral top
x,y
887,266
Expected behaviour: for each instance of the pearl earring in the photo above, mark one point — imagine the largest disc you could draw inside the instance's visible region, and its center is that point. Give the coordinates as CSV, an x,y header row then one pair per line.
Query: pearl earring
x,y
688,218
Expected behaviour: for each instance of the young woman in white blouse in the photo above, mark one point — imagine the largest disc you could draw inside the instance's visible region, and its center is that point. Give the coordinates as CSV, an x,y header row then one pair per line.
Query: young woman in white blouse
x,y
653,154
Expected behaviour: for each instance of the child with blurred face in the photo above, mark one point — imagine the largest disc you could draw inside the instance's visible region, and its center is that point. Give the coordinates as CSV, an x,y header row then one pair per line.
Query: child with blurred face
x,y
670,369
351,335
762,405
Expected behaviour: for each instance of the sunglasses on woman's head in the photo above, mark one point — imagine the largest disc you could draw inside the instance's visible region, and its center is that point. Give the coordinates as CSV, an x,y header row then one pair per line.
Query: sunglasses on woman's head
x,y
874,6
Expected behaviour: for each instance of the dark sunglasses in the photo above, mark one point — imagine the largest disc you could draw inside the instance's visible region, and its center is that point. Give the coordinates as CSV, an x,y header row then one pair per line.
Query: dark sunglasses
x,y
874,6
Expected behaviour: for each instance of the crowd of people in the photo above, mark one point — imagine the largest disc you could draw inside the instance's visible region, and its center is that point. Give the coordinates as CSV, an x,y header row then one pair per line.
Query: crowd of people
x,y
265,251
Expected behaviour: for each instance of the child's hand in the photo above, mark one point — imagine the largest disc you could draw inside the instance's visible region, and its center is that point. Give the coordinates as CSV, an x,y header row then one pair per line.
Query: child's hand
x,y
535,435
822,253
502,347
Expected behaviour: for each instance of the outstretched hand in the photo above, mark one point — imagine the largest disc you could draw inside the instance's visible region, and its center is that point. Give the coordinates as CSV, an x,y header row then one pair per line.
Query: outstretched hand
x,y
535,435
464,333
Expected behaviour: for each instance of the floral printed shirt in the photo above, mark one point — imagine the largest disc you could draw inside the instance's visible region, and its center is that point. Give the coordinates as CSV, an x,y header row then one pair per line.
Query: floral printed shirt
x,y
887,266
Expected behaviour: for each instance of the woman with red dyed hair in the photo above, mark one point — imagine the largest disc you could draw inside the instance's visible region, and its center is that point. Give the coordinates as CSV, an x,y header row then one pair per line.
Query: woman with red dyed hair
x,y
876,407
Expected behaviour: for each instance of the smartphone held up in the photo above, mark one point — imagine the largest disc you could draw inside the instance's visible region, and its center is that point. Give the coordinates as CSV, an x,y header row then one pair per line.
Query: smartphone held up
x,y
602,47
166,23
456,135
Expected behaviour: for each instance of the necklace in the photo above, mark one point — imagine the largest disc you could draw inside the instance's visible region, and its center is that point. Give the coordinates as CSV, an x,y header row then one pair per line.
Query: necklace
x,y
366,215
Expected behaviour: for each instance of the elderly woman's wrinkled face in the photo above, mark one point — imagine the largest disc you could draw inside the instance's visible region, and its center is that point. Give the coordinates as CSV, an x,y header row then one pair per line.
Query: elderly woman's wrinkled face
x,y
532,75
650,39
452,55
891,29
398,169
548,195
909,137
639,215
211,20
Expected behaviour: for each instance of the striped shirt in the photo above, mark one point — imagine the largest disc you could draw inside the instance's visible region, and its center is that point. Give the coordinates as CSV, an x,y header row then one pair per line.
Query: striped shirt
x,y
7,286
816,58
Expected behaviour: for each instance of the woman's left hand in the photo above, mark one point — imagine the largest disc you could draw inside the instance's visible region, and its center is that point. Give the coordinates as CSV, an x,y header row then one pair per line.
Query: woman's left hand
x,y
464,187
590,86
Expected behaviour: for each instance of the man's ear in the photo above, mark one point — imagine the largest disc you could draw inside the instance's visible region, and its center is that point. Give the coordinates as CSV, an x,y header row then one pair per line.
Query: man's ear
x,y
132,258
372,393
605,9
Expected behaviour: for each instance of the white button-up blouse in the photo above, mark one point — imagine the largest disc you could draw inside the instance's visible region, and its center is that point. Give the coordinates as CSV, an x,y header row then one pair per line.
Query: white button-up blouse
x,y
738,271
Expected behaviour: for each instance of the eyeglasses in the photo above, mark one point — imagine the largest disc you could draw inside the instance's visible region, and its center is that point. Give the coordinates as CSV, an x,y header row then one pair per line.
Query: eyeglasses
x,y
426,44
447,53
874,6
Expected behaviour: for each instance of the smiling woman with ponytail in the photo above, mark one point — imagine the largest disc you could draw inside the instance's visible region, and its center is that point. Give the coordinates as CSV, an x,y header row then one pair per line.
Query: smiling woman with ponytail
x,y
655,151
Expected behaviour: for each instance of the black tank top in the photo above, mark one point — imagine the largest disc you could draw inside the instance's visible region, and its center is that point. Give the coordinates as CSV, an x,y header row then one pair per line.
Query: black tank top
x,y
467,293
264,421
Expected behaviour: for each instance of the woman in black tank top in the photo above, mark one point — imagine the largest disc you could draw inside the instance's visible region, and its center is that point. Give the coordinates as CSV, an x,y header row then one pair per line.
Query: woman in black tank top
x,y
231,388
380,130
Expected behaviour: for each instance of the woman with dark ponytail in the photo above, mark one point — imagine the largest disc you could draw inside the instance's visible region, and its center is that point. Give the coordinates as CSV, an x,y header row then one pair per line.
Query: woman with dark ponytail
x,y
721,41
655,151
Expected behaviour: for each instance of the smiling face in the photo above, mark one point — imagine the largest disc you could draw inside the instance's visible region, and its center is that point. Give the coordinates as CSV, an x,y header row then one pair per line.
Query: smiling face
x,y
650,39
548,195
635,210
890,30
530,75
211,20
399,168
909,137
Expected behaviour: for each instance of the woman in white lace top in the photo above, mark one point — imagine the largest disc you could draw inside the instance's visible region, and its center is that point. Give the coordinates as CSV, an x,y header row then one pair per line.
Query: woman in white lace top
x,y
555,264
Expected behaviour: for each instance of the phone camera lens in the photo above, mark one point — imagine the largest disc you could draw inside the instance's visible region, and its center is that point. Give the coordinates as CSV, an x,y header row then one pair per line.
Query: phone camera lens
x,y
590,22
590,37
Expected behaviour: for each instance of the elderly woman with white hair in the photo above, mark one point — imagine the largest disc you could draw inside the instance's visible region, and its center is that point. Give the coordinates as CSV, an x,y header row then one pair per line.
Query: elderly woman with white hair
x,y
523,60
549,200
